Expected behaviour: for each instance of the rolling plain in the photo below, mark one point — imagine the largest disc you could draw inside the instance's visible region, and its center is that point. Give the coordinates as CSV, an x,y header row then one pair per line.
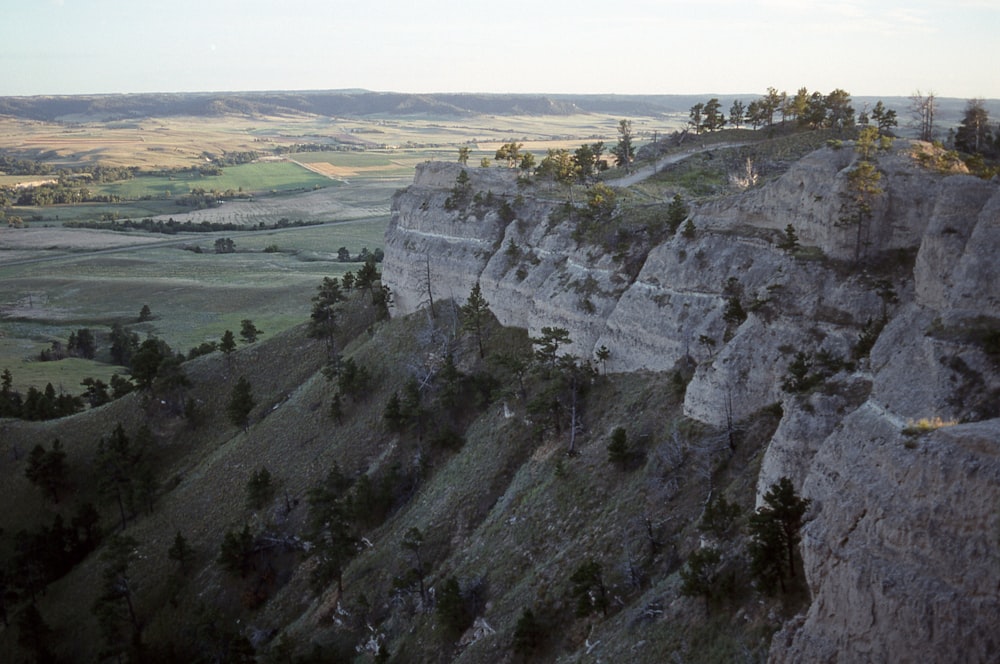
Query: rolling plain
x,y
56,278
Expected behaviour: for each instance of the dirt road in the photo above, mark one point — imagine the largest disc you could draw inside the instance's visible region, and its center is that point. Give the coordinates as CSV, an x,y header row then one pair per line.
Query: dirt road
x,y
647,171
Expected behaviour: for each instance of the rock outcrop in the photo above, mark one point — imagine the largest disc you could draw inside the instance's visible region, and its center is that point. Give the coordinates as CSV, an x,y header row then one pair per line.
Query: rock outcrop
x,y
901,546
901,550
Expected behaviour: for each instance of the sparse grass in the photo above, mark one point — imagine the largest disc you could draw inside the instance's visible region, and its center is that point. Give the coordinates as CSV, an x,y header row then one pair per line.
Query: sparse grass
x,y
934,157
696,175
926,425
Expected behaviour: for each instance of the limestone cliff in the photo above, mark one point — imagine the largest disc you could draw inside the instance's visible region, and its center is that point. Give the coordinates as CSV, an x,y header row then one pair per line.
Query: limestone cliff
x,y
901,546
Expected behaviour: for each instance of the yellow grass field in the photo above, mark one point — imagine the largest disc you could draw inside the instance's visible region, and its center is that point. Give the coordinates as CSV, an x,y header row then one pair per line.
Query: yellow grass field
x,y
155,143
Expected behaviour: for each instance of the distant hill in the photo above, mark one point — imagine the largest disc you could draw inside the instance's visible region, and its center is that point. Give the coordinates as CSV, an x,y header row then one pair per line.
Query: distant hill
x,y
353,103
330,103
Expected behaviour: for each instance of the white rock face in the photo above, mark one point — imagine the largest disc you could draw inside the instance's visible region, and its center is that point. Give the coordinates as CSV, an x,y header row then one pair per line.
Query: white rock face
x,y
901,544
901,550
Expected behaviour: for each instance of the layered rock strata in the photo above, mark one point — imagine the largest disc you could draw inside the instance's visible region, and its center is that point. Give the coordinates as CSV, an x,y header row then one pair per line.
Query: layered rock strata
x,y
901,545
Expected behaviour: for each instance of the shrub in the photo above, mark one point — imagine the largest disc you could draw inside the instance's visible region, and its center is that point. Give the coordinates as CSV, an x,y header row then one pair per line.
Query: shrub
x,y
260,489
451,610
618,451
529,634
719,516
588,589
700,575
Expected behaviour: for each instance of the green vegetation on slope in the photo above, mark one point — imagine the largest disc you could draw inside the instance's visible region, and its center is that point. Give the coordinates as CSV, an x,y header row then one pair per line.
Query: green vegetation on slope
x,y
467,505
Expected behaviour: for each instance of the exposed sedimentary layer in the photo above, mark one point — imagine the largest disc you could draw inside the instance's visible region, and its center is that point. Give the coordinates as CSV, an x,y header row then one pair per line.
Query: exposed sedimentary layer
x,y
901,544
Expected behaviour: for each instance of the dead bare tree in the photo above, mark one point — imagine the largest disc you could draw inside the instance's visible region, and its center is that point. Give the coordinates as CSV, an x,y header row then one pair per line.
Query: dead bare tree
x,y
922,108
428,292
730,429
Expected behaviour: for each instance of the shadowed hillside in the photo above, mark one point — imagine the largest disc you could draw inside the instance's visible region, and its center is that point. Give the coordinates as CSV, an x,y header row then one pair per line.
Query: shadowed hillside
x,y
469,482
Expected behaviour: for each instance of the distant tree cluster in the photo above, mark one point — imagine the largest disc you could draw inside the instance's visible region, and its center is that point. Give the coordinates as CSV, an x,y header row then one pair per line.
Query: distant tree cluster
x,y
58,194
80,343
35,404
94,173
235,157
344,255
172,227
808,110
151,363
976,138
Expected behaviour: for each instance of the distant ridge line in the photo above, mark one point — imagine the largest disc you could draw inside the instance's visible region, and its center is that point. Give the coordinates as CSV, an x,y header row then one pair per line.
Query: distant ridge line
x,y
355,103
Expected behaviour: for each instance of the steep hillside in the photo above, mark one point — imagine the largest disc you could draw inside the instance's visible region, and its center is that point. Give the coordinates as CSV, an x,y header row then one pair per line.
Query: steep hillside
x,y
533,498
876,333
472,486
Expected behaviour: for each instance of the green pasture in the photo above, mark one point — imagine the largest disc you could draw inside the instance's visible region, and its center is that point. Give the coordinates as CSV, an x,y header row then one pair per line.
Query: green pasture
x,y
261,177
194,297
319,239
56,215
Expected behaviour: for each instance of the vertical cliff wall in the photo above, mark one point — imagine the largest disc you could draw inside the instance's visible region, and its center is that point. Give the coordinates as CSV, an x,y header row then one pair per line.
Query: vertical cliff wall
x,y
901,543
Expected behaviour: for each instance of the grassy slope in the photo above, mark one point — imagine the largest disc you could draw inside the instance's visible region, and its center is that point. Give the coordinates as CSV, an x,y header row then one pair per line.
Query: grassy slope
x,y
508,508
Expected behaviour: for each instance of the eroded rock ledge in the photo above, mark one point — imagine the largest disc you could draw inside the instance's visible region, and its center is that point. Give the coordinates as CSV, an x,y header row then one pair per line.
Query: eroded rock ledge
x,y
901,547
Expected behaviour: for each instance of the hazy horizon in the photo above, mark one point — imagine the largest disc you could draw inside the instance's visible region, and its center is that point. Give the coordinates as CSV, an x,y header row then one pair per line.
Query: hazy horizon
x,y
890,48
697,95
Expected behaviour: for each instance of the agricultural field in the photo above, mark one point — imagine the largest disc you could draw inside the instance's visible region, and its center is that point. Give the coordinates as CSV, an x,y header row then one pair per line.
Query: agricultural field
x,y
56,279
194,297
263,176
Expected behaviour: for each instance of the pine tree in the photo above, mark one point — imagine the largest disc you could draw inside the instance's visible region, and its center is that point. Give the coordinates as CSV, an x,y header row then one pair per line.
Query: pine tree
x,y
475,315
529,634
624,151
117,461
115,608
774,533
47,469
260,489
181,552
790,242
323,318
618,452
228,343
603,354
393,414
973,135
241,402
450,608
700,576
588,589
689,230
330,529
236,552
248,331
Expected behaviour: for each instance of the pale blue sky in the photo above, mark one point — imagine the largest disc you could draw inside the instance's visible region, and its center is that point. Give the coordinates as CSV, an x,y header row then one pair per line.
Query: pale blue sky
x,y
879,48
